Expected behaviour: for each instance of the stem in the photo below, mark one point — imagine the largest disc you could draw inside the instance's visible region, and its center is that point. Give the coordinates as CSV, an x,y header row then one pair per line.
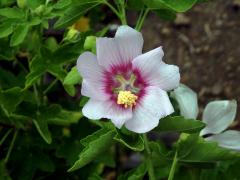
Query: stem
x,y
148,157
139,18
5,136
124,21
173,168
141,21
50,86
122,16
11,146
36,94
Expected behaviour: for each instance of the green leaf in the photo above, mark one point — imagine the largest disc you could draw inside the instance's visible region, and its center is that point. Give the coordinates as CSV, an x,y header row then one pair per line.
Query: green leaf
x,y
19,35
12,13
5,29
135,4
3,172
6,53
41,124
73,77
132,141
166,14
76,11
65,118
33,76
62,4
194,149
135,174
9,80
95,144
179,124
175,5
43,162
11,98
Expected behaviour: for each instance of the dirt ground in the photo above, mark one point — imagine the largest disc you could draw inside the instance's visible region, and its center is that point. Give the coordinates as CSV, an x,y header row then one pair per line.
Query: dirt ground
x,y
205,44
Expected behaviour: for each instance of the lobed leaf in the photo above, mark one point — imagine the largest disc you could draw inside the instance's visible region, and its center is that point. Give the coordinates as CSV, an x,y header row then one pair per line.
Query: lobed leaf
x,y
194,149
175,5
179,124
132,141
95,144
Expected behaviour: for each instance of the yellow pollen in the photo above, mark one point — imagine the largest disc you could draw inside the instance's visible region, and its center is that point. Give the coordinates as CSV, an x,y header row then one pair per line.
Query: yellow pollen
x,y
126,98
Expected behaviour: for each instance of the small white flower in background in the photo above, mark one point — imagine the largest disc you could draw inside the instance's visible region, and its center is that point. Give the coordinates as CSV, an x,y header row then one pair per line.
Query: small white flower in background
x,y
187,100
217,115
125,85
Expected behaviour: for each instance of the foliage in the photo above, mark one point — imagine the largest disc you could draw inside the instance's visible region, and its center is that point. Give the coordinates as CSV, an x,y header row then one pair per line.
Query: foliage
x,y
43,134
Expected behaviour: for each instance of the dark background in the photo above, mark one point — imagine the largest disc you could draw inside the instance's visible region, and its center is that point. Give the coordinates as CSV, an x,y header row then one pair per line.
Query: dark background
x,y
205,44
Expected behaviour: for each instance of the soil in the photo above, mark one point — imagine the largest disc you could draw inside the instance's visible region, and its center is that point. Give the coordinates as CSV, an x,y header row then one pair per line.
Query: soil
x,y
205,44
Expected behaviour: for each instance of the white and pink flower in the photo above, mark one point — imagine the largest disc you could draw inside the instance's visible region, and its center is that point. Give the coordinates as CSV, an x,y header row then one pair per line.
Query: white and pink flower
x,y
125,85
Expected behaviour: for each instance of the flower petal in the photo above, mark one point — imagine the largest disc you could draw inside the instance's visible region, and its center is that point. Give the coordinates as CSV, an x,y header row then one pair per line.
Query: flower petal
x,y
157,72
88,67
154,105
218,115
229,139
95,109
187,101
107,52
94,90
130,42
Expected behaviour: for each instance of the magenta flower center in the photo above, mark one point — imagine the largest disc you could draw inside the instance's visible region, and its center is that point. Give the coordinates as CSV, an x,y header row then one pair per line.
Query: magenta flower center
x,y
124,78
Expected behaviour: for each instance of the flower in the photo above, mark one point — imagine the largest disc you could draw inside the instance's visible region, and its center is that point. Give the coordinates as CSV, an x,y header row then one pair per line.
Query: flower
x,y
217,115
125,85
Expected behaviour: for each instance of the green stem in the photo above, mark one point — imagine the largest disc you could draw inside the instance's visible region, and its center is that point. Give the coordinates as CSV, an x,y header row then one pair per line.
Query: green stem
x,y
50,86
148,158
11,146
36,94
124,20
139,18
173,168
5,136
141,21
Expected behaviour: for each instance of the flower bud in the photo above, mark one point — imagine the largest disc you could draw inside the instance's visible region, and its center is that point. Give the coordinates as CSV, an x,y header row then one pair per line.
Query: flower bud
x,y
90,43
72,34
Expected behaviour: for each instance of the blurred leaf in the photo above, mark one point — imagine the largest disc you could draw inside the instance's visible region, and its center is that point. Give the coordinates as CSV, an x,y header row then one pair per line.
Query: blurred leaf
x,y
193,148
65,117
6,53
179,124
6,2
132,141
41,124
73,77
8,79
175,5
43,162
5,29
62,4
95,144
10,98
3,172
76,11
166,14
135,174
135,4
12,13
19,34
